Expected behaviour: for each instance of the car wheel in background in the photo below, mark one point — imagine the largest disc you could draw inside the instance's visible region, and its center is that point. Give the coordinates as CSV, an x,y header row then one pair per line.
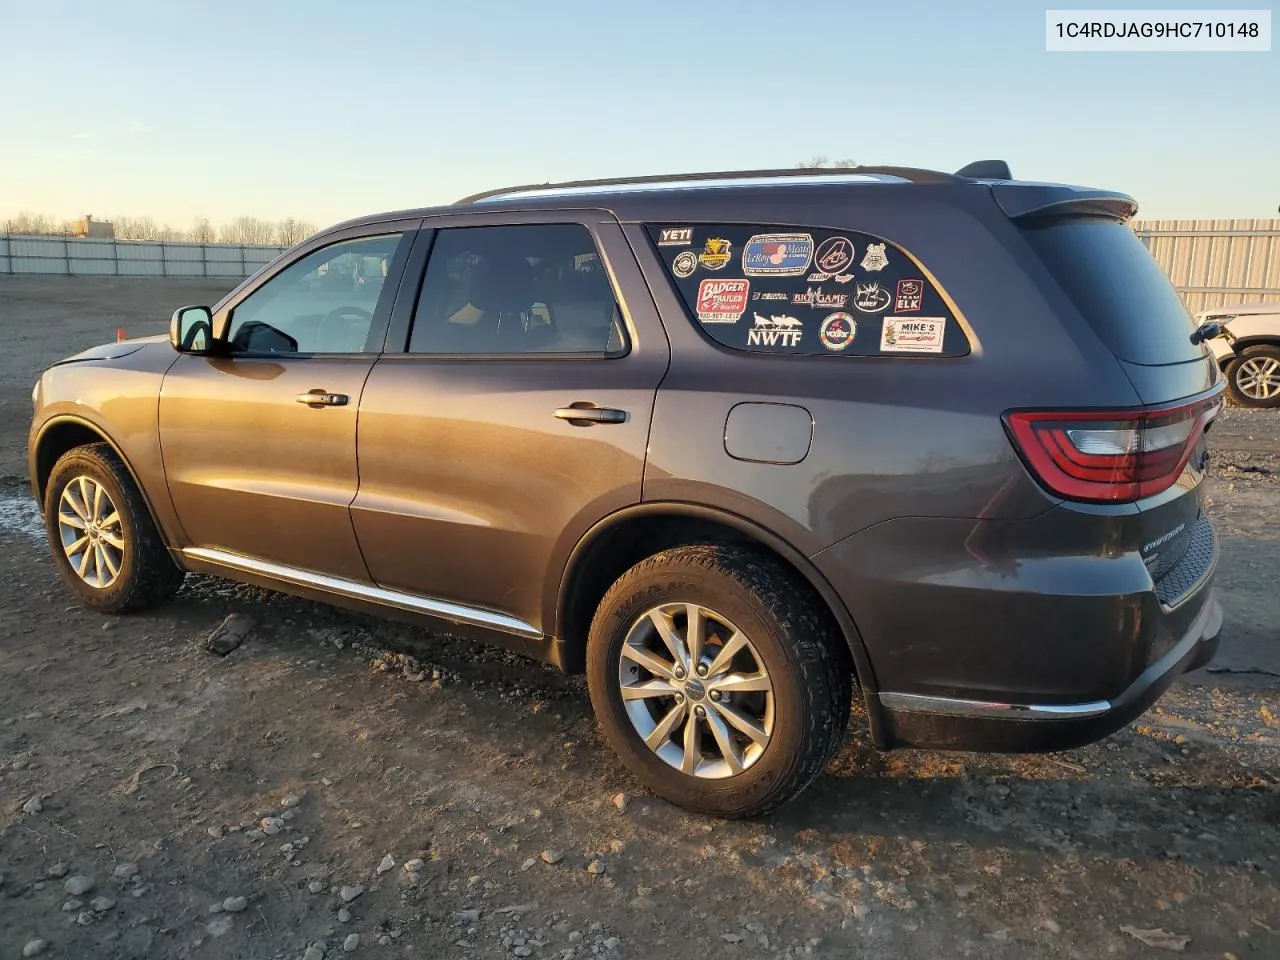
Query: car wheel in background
x,y
1253,378
718,679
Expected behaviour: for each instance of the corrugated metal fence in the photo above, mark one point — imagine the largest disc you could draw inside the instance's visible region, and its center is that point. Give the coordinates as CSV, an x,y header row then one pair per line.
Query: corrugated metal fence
x,y
1212,262
130,258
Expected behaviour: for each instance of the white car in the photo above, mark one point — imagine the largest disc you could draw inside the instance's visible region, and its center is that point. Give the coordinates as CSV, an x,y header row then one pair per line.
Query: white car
x,y
1248,350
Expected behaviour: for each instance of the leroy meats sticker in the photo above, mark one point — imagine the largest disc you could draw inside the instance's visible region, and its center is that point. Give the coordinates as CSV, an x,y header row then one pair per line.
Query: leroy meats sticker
x,y
914,335
722,301
777,255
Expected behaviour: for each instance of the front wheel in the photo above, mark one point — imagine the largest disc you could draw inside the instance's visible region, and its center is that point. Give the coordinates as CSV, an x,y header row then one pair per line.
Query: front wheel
x,y
1253,378
718,679
104,542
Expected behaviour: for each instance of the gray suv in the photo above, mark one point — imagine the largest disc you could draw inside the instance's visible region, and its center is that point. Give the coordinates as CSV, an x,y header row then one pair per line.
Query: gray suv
x,y
733,444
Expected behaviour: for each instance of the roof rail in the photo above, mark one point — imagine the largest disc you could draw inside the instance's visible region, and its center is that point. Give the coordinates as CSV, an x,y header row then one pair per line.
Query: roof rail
x,y
912,174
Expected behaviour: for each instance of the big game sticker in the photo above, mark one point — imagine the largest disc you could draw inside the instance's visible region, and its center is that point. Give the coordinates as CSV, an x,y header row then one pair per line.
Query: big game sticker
x,y
913,335
777,255
722,301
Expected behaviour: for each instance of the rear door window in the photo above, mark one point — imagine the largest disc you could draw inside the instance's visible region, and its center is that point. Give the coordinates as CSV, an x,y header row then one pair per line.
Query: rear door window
x,y
803,291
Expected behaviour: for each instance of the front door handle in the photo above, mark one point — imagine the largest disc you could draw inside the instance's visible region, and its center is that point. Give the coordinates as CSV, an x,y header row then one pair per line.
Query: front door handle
x,y
583,414
321,398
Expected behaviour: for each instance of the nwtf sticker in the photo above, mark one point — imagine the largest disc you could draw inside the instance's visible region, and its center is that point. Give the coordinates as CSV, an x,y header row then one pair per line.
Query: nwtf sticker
x,y
778,330
915,335
777,255
722,301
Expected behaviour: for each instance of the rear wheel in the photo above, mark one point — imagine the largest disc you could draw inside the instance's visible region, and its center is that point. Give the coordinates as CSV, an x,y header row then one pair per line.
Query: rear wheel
x,y
1253,378
105,545
717,678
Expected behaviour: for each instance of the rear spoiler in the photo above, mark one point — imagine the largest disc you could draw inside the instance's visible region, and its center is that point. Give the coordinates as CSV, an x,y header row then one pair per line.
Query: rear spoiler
x,y
1027,201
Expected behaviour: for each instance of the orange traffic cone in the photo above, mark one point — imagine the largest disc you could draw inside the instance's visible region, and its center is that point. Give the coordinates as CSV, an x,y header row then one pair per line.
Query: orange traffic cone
x,y
119,334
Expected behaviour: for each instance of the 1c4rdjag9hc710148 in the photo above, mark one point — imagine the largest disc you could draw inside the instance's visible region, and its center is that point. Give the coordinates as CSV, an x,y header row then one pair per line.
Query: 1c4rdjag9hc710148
x,y
734,444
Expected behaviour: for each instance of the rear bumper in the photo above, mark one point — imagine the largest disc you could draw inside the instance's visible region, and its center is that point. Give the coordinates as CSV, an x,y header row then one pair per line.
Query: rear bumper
x,y
945,723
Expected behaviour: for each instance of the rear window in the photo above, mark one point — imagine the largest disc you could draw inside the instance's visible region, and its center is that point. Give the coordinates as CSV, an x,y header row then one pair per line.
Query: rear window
x,y
801,291
1118,287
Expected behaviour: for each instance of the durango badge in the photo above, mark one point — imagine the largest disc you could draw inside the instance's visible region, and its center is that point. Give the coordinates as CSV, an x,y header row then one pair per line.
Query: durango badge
x,y
910,296
915,335
837,331
777,255
722,301
715,253
778,330
684,264
871,297
874,259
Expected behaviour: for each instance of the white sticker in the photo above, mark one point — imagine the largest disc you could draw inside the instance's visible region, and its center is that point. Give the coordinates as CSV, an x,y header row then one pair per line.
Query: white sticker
x,y
837,331
684,264
875,258
871,297
844,278
913,335
675,237
778,330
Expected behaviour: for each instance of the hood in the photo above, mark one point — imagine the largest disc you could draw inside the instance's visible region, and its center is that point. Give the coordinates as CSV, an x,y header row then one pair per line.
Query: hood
x,y
1235,310
113,351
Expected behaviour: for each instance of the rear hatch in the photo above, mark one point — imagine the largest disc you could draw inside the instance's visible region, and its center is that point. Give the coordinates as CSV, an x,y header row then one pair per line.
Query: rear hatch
x,y
1154,455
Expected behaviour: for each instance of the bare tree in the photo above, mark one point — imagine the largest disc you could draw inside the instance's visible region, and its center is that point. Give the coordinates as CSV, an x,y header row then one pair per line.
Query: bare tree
x,y
202,231
136,228
31,224
290,231
247,230
822,160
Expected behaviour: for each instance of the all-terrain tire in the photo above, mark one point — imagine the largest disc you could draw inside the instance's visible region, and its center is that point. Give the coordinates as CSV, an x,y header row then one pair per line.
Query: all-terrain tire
x,y
147,574
796,642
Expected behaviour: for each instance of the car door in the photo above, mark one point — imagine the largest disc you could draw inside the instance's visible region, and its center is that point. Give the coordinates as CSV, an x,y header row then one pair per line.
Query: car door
x,y
516,415
259,443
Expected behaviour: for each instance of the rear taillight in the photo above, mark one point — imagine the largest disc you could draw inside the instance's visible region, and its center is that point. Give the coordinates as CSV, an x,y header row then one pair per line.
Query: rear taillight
x,y
1113,455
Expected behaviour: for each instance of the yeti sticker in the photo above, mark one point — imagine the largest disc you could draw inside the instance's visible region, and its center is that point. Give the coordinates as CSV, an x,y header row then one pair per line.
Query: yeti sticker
x,y
874,259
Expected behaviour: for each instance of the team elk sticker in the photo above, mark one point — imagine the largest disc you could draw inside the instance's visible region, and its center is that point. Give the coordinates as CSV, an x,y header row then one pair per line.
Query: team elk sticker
x,y
778,330
910,296
722,301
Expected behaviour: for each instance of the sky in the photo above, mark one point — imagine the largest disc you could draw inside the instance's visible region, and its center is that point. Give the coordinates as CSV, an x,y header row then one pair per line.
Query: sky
x,y
327,110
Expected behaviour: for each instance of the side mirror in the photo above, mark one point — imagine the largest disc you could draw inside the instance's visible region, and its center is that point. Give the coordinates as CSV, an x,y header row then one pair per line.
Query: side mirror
x,y
191,330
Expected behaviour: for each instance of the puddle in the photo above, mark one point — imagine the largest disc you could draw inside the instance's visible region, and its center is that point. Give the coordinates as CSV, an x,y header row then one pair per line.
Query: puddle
x,y
19,514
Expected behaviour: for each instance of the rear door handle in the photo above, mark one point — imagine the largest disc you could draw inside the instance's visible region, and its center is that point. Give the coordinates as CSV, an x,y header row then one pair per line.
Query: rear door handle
x,y
583,414
320,398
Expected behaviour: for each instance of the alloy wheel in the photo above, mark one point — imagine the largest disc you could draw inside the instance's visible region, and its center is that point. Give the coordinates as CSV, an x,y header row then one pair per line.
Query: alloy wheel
x,y
696,690
1259,378
91,532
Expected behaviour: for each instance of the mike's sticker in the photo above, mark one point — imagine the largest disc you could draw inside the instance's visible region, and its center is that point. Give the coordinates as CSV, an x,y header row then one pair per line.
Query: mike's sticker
x,y
777,255
914,335
722,301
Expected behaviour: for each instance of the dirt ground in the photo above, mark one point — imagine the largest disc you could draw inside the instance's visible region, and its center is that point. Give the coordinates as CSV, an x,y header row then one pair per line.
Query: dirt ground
x,y
479,783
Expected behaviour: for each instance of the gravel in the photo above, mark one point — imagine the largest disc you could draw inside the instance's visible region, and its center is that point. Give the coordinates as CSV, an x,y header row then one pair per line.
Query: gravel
x,y
33,806
235,904
551,856
58,870
101,904
125,871
386,865
351,944
350,893
78,885
35,947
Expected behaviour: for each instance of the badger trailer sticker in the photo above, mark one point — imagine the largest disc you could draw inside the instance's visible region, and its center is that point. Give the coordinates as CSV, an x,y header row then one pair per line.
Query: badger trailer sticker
x,y
722,301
